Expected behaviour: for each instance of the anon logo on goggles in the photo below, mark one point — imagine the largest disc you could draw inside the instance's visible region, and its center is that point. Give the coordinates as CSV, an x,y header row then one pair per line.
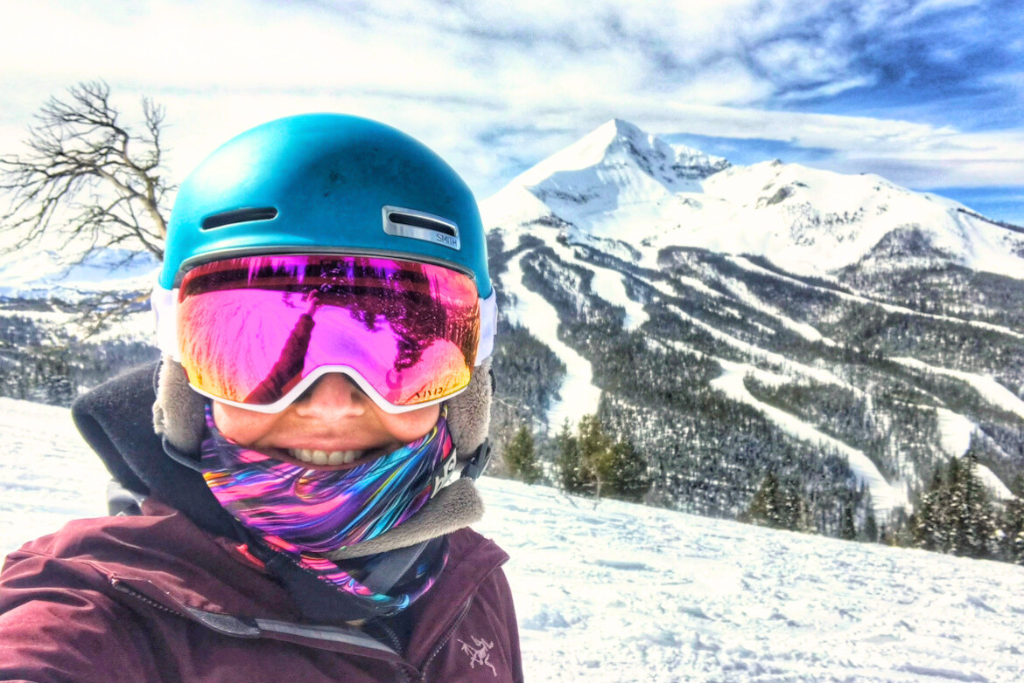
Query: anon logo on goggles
x,y
257,331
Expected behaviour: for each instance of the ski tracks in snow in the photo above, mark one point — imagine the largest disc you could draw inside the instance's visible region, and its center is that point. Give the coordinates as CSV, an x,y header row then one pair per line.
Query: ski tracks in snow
x,y
991,390
746,264
607,283
578,395
884,496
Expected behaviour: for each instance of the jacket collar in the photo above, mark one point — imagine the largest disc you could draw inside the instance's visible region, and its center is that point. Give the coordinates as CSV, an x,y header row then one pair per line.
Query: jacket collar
x,y
116,419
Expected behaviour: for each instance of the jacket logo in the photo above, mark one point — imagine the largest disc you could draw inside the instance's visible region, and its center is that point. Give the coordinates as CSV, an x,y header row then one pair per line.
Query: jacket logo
x,y
481,654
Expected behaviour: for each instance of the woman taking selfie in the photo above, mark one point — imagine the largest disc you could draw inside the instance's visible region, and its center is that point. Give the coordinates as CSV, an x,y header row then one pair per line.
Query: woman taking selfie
x,y
294,479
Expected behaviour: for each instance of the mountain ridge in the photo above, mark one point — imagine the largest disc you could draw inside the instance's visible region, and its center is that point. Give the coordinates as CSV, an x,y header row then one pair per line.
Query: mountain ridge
x,y
811,221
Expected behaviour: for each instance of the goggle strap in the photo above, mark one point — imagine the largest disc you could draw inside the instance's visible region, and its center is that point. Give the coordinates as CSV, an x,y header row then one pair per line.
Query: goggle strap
x,y
478,462
164,303
488,327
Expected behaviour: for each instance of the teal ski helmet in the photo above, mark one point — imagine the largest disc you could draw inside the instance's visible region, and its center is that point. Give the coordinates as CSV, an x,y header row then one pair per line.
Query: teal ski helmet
x,y
328,183
325,182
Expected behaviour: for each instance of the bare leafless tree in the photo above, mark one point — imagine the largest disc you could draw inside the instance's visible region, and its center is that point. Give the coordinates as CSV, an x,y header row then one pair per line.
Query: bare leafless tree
x,y
84,179
90,181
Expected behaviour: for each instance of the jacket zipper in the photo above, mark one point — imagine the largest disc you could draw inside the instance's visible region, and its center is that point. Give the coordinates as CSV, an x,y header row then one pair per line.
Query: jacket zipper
x,y
396,645
121,587
390,636
444,640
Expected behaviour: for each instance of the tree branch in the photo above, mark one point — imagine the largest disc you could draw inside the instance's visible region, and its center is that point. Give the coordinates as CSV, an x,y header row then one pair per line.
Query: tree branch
x,y
81,159
89,182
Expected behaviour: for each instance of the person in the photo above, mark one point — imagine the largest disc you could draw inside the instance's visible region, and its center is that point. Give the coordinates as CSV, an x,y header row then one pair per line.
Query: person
x,y
294,479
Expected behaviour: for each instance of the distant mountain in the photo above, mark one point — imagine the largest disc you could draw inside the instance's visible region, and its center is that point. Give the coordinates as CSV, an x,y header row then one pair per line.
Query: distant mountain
x,y
615,166
839,330
45,353
618,183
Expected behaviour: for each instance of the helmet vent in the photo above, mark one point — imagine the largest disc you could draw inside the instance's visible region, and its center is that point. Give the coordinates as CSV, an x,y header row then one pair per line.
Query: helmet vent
x,y
421,226
421,222
220,220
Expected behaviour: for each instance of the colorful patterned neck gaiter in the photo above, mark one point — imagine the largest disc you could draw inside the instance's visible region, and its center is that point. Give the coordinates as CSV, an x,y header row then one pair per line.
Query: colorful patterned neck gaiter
x,y
301,511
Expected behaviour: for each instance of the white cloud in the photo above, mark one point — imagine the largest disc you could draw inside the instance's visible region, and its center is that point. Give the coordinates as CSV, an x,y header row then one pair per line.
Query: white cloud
x,y
913,154
491,85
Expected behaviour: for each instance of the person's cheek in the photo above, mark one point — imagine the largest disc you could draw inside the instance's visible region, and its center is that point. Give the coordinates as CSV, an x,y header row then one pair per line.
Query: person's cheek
x,y
406,427
245,427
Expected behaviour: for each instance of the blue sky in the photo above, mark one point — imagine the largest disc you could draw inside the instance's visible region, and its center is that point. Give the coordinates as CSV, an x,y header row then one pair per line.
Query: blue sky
x,y
928,93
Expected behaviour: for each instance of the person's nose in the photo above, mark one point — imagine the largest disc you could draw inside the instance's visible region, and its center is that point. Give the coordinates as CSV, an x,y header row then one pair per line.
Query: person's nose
x,y
332,397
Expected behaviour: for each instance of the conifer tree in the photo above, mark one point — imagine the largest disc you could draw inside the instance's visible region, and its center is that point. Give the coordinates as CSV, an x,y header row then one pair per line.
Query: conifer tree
x,y
589,462
594,451
793,507
870,530
974,532
627,473
521,457
1013,524
847,526
764,506
570,469
929,525
955,514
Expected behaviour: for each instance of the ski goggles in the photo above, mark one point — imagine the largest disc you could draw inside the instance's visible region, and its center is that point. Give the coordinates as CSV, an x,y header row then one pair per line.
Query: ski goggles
x,y
257,331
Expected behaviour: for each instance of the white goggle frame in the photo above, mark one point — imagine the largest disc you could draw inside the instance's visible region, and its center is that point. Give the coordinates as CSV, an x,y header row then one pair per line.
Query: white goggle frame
x,y
165,306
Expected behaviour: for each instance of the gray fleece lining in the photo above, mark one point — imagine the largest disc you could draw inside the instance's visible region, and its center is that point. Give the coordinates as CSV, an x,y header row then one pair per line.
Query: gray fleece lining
x,y
469,413
455,507
178,412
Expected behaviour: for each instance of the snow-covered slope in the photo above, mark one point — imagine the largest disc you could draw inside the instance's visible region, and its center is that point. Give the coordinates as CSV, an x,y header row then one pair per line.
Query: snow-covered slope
x,y
47,473
617,593
828,281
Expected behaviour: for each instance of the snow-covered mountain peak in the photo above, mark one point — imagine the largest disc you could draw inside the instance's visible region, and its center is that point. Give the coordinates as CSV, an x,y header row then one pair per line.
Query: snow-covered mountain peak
x,y
614,165
619,184
814,221
650,151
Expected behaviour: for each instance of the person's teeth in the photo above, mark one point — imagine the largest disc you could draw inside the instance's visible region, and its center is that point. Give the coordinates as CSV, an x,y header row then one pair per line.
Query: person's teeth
x,y
315,457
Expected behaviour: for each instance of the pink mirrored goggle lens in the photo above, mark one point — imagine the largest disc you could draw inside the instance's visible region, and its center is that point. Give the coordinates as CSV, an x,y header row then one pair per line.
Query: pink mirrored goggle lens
x,y
256,330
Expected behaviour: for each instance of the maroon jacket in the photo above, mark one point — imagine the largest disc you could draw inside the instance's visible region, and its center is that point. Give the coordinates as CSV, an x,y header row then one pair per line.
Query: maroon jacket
x,y
159,597
153,598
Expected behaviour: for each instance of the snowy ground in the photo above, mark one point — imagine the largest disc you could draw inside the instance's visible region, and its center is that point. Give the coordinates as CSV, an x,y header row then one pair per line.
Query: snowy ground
x,y
621,593
47,473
